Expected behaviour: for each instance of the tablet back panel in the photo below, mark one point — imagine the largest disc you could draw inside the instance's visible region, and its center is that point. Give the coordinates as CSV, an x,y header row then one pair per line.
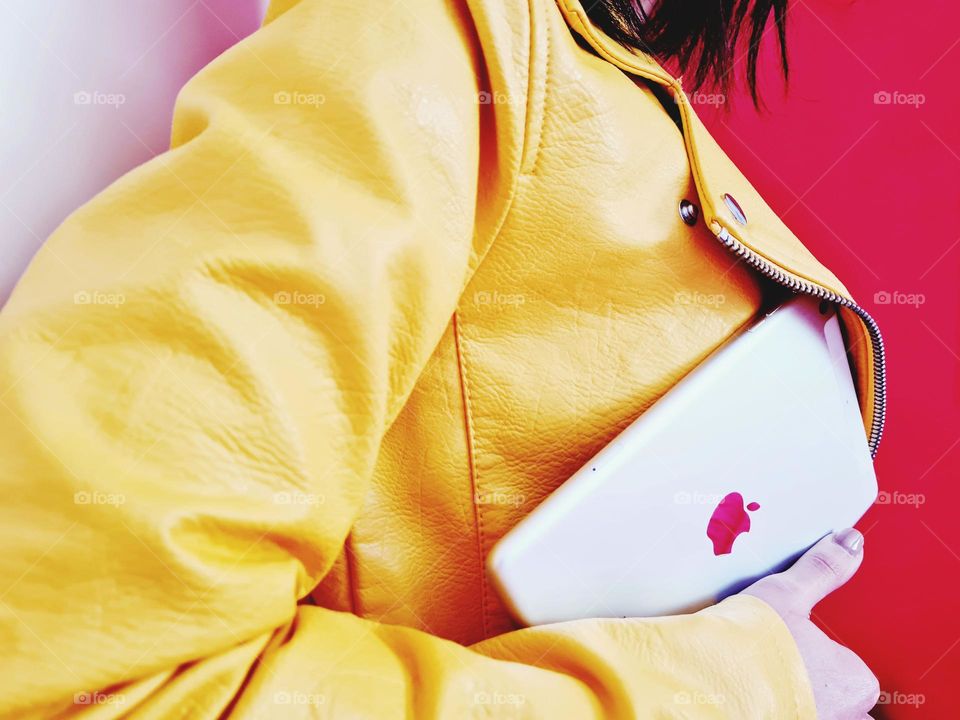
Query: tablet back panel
x,y
744,464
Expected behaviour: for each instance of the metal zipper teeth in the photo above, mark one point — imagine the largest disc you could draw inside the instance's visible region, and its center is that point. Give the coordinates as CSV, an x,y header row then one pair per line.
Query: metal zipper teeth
x,y
780,277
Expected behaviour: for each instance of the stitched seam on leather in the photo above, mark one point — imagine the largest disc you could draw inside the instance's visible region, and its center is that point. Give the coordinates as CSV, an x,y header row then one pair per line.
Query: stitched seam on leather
x,y
473,265
589,33
351,572
478,251
534,152
476,258
471,457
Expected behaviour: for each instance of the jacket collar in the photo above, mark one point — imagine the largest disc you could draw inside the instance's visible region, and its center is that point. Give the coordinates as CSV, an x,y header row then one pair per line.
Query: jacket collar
x,y
632,61
716,177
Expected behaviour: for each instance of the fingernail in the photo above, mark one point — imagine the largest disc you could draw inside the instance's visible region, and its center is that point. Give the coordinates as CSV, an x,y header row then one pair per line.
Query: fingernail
x,y
850,540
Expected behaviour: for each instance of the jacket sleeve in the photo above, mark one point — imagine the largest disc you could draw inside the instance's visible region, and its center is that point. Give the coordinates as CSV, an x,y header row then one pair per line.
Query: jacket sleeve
x,y
195,376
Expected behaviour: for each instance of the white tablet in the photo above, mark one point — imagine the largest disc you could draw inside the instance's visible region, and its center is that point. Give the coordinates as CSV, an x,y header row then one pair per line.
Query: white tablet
x,y
743,465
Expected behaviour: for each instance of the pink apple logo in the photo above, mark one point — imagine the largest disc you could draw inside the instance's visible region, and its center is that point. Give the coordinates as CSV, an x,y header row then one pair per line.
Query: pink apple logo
x,y
728,522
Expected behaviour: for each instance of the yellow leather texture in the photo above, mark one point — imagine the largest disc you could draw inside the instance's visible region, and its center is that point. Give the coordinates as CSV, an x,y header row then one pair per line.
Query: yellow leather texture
x,y
267,402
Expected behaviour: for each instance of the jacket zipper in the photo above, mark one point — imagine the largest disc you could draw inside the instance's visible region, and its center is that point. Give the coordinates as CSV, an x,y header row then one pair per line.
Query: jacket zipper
x,y
771,271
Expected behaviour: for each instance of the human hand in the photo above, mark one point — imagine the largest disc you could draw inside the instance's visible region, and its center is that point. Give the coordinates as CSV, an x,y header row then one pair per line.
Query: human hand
x,y
844,688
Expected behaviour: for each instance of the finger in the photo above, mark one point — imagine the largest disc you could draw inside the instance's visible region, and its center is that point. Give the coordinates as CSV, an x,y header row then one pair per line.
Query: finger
x,y
824,568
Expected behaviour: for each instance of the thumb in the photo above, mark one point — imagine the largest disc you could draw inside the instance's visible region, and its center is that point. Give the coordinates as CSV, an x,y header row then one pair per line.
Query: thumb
x,y
824,568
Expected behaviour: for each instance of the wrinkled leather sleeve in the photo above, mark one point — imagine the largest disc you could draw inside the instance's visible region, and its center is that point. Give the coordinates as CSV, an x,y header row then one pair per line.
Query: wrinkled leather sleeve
x,y
196,373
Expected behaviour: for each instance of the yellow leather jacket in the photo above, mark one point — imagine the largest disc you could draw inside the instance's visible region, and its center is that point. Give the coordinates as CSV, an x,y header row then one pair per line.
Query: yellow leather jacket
x,y
267,401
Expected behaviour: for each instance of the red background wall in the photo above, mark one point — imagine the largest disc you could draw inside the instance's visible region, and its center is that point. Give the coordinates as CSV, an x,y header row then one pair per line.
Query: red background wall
x,y
873,190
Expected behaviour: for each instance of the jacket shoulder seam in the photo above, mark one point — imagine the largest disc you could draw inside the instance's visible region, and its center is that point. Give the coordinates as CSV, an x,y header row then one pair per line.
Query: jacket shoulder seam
x,y
529,143
471,462
535,116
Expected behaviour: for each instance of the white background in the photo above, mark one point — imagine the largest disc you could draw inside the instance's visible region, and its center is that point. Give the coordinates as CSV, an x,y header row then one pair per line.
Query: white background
x,y
65,65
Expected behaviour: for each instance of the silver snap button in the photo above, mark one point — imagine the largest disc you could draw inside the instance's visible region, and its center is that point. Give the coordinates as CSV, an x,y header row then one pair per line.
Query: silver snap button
x,y
689,212
734,207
